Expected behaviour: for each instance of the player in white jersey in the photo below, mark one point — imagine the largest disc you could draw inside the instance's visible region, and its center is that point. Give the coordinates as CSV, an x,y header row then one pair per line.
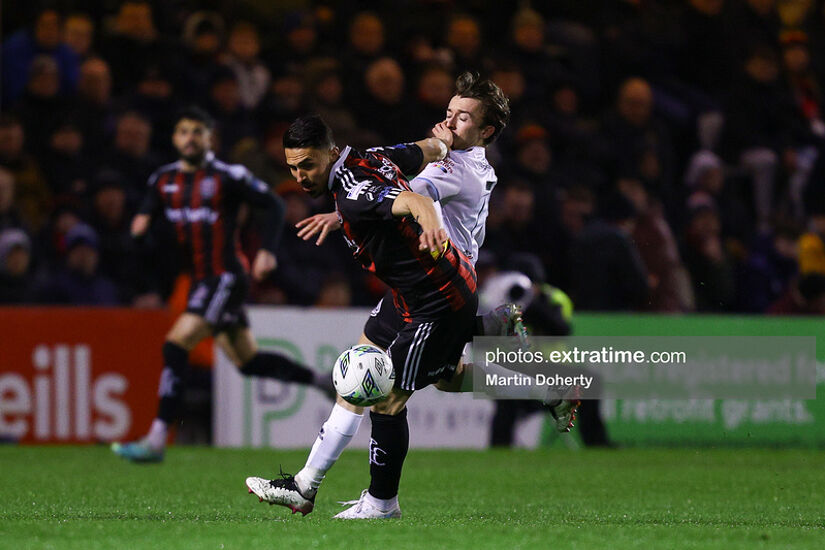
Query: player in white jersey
x,y
461,181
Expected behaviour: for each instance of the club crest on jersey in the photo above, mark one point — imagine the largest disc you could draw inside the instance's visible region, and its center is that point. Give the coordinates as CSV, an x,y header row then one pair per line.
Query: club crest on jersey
x,y
208,187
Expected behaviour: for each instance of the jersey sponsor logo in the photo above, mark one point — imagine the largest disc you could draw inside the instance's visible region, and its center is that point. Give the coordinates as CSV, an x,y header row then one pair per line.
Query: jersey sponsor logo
x,y
208,187
192,215
387,169
445,165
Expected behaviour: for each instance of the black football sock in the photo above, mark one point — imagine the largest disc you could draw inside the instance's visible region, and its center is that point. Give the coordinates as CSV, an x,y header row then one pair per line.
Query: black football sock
x,y
389,442
281,367
172,381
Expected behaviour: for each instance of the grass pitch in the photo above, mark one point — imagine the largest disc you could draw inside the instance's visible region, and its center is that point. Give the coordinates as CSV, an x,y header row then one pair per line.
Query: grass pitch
x,y
84,497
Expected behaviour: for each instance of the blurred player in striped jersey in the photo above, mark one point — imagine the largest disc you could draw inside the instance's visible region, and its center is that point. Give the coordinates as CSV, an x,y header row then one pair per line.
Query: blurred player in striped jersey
x,y
200,197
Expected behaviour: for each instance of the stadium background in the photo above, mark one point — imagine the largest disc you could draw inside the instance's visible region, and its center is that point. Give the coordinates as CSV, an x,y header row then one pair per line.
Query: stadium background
x,y
683,138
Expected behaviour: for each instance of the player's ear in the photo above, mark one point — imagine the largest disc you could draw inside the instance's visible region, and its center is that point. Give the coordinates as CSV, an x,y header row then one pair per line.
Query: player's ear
x,y
334,152
487,132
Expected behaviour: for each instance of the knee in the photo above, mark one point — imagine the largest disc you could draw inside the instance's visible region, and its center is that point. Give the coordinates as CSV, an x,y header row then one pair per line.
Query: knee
x,y
394,404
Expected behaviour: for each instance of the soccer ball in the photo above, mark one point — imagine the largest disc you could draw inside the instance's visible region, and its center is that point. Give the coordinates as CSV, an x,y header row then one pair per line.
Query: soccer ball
x,y
363,375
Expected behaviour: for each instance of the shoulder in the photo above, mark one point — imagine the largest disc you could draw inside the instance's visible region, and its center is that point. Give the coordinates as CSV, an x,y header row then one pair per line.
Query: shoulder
x,y
163,170
234,171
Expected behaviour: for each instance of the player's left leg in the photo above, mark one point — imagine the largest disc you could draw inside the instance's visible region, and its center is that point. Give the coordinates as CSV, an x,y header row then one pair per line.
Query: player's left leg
x,y
389,442
238,343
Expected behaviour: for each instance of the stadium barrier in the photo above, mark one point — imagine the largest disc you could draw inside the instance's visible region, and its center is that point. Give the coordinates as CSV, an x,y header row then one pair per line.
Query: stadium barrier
x,y
71,375
86,375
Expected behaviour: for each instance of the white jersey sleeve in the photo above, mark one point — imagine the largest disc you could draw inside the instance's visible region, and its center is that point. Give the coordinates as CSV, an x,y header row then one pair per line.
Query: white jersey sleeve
x,y
440,180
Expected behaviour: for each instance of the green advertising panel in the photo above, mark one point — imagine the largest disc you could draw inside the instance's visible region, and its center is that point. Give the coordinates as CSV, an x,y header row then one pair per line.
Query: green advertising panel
x,y
734,422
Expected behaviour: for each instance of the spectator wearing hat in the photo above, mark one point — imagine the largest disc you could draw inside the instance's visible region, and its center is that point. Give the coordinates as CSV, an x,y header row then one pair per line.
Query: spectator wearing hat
x,y
77,281
41,103
66,166
203,38
16,285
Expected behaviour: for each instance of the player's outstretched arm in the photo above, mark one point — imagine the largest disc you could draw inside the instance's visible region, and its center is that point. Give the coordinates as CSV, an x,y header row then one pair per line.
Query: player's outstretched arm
x,y
433,235
433,149
319,223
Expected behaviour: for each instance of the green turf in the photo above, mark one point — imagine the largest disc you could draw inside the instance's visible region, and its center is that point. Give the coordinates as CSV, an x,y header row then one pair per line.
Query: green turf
x,y
84,497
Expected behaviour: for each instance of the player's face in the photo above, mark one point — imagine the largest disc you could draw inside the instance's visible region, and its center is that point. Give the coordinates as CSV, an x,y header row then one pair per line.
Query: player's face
x,y
465,120
310,167
192,139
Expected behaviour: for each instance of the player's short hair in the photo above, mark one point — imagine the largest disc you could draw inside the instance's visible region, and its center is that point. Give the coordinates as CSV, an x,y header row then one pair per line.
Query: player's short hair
x,y
495,105
309,131
197,114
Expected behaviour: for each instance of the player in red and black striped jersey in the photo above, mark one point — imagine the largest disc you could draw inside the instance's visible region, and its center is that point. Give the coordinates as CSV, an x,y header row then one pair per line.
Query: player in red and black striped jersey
x,y
200,197
398,235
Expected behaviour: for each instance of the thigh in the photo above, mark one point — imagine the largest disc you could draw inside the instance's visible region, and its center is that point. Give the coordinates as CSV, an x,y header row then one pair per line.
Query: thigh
x,y
188,330
383,323
394,403
425,352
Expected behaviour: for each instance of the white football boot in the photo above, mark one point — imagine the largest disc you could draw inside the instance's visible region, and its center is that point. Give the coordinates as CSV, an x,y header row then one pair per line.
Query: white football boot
x,y
282,491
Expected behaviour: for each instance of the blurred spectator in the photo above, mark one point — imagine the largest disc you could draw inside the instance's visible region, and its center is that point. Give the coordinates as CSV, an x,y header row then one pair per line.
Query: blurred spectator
x,y
807,96
762,129
463,37
805,296
637,143
812,243
386,111
233,122
770,268
16,285
265,157
66,167
93,105
301,44
33,198
77,282
9,217
336,291
366,45
111,220
78,34
530,52
155,99
253,77
203,36
606,271
432,93
20,49
325,91
130,155
40,105
709,264
670,289
134,43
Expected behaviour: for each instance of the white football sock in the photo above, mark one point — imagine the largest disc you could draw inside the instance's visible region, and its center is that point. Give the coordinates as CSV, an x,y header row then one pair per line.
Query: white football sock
x,y
335,435
157,434
385,505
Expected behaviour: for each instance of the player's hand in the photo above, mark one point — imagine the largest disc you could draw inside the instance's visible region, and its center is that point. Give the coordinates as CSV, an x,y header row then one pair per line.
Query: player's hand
x,y
443,133
140,224
435,240
319,223
263,265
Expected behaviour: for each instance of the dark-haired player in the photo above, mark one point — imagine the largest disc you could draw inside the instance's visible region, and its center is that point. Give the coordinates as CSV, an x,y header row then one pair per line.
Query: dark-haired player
x,y
200,197
398,235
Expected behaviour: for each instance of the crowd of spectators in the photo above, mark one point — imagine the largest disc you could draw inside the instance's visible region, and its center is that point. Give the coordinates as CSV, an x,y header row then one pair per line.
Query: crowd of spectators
x,y
662,155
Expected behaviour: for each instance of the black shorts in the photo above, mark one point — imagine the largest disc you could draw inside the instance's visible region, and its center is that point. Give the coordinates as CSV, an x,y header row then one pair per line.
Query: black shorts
x,y
220,300
424,352
383,323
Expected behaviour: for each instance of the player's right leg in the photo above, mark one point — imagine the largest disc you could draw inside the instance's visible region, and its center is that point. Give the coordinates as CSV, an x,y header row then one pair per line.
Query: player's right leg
x,y
186,333
298,492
